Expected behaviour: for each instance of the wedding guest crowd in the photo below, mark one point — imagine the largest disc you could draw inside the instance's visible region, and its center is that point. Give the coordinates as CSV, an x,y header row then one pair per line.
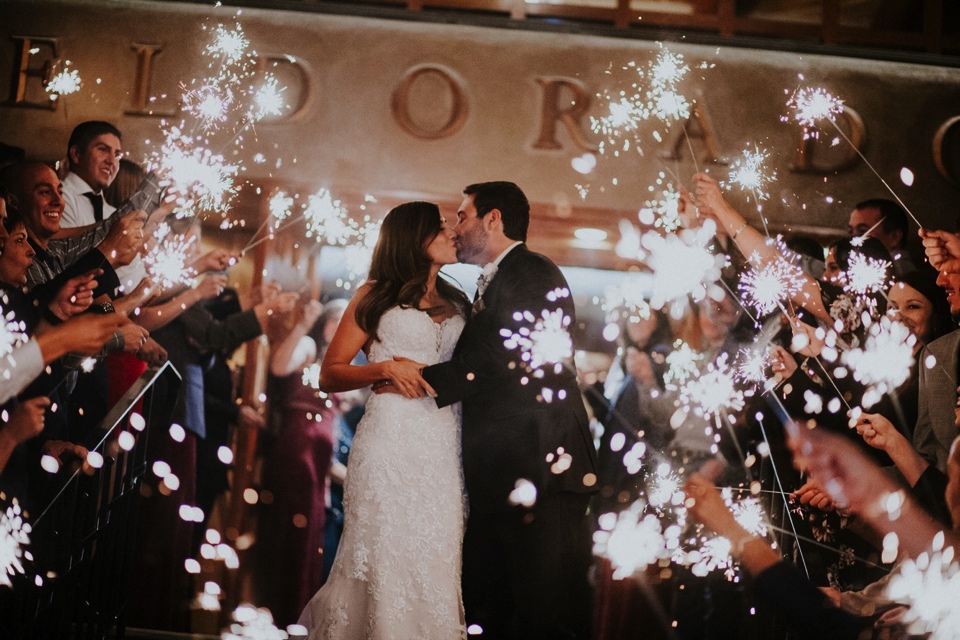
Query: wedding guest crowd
x,y
820,448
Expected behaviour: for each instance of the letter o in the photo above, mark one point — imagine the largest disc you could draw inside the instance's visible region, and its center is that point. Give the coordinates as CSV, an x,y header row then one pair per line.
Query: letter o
x,y
939,140
459,108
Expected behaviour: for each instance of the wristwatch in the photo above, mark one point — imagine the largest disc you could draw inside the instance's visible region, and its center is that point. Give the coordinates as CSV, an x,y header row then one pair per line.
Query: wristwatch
x,y
102,308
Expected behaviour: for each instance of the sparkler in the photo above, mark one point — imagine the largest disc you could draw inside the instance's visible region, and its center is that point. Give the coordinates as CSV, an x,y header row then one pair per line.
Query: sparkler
x,y
811,105
682,266
631,542
628,299
64,83
885,362
268,99
210,104
547,342
666,211
327,219
201,177
930,586
753,365
166,263
280,206
681,364
767,286
712,391
311,376
14,535
251,623
229,45
748,173
666,72
866,275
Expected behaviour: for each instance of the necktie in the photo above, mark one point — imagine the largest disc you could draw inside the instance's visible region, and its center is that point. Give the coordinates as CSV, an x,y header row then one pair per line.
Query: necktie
x,y
97,201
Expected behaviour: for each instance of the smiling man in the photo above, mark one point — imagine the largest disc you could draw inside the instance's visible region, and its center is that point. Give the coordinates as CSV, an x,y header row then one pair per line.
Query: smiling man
x,y
94,153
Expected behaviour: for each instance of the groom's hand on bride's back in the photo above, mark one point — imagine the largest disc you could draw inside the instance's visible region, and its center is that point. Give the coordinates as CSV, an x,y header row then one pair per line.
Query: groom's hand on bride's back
x,y
403,376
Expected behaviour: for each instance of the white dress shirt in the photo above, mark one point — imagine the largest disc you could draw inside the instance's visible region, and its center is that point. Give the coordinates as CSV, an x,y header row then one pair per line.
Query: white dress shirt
x,y
78,212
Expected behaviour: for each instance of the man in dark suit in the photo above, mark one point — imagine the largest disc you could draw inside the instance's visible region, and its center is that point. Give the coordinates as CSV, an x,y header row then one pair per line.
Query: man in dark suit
x,y
524,567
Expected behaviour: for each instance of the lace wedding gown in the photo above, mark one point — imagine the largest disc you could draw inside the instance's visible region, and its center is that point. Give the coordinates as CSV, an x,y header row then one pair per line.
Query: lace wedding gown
x,y
397,571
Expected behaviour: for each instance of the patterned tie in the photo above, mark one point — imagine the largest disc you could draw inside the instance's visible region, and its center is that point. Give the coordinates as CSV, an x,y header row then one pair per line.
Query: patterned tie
x,y
97,201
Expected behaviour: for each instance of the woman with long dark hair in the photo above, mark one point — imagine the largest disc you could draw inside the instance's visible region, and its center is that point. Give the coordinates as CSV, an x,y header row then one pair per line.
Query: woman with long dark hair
x,y
397,570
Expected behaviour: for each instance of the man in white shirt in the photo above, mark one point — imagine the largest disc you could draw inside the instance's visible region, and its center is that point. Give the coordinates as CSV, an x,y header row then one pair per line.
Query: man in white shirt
x,y
94,152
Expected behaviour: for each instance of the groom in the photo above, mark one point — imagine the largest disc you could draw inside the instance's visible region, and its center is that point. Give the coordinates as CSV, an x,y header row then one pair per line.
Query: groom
x,y
524,567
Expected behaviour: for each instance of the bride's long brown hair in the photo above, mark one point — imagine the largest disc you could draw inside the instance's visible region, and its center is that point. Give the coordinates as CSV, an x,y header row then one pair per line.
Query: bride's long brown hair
x,y
400,266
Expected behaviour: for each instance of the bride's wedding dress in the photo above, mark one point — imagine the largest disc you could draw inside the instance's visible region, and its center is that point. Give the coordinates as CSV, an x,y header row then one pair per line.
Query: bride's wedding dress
x,y
397,571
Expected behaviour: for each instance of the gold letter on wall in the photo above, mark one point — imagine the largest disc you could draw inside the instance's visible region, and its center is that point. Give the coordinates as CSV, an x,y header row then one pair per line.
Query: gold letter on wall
x,y
26,47
698,126
858,135
945,167
430,90
142,105
551,111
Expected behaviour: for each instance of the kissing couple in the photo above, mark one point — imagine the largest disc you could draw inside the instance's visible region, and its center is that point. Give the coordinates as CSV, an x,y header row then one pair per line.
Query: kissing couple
x,y
411,563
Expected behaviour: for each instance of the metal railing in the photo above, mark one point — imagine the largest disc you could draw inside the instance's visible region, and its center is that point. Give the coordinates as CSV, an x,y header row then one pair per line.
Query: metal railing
x,y
84,540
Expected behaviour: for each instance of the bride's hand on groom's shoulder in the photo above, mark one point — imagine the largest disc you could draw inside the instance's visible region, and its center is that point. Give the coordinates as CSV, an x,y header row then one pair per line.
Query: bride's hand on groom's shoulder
x,y
405,376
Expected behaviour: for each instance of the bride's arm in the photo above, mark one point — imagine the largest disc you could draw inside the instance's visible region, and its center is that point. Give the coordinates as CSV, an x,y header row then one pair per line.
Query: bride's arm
x,y
338,374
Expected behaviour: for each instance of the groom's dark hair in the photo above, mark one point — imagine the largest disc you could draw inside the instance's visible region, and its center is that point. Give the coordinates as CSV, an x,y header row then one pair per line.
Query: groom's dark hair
x,y
509,199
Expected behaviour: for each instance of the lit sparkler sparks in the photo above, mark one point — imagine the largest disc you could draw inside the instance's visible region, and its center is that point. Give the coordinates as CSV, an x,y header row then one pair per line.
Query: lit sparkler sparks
x,y
311,376
166,263
358,255
682,265
866,275
930,587
713,554
12,332
666,211
813,104
203,178
766,287
627,299
713,391
544,341
665,73
681,364
753,365
268,99
210,104
630,540
230,45
64,83
327,219
280,206
14,536
749,514
885,362
748,173
251,623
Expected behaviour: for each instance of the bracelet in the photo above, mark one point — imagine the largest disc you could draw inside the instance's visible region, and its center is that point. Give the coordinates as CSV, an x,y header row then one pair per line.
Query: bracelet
x,y
739,229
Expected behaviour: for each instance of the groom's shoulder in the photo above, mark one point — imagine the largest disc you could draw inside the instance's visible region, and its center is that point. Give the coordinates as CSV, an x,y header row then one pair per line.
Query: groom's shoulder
x,y
522,255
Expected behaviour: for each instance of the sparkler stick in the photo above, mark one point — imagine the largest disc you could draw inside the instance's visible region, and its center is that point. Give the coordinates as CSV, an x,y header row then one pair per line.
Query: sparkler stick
x,y
254,243
776,476
875,172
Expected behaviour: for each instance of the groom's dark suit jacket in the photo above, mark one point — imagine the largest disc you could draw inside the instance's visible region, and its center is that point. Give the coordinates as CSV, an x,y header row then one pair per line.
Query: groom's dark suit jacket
x,y
510,430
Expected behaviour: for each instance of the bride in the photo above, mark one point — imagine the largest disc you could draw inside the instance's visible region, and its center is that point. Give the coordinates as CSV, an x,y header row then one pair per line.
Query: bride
x,y
397,571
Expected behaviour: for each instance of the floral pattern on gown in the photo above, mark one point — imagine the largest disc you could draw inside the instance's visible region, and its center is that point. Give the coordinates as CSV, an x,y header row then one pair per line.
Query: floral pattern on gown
x,y
397,571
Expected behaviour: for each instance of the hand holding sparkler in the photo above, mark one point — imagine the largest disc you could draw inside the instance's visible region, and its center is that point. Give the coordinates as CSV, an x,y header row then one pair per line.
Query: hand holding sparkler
x,y
215,260
281,303
65,452
84,334
942,249
75,296
878,432
851,478
125,239
25,422
705,504
211,286
811,494
782,362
